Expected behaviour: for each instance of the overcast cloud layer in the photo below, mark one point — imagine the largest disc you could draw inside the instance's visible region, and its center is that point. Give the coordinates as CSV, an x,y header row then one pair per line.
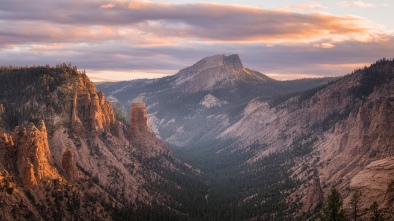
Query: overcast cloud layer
x,y
116,40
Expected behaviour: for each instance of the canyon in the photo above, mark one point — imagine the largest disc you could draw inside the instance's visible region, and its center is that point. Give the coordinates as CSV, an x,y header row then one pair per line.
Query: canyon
x,y
335,135
216,141
68,157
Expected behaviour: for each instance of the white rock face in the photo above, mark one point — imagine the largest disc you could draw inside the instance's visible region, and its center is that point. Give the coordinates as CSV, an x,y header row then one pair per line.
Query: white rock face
x,y
210,101
376,182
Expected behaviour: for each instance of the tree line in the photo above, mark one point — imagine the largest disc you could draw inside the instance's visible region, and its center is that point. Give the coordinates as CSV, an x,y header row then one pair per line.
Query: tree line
x,y
334,211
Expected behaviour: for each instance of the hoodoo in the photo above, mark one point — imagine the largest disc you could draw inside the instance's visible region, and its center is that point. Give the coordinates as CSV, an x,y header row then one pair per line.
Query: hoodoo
x,y
140,133
138,120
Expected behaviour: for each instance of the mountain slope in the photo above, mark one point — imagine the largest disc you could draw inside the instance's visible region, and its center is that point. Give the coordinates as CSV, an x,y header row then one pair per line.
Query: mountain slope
x,y
65,156
277,155
181,112
339,136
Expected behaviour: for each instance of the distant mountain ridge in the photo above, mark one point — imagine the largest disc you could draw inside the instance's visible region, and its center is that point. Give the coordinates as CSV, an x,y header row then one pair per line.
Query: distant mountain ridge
x,y
215,71
181,114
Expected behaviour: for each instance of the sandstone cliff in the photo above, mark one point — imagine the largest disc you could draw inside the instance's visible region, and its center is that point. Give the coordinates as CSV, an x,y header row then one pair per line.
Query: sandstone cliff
x,y
141,135
81,163
90,110
30,151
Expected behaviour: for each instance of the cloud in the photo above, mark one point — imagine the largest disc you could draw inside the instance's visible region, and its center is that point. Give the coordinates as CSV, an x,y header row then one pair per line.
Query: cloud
x,y
156,39
303,7
358,4
129,62
324,45
93,21
106,6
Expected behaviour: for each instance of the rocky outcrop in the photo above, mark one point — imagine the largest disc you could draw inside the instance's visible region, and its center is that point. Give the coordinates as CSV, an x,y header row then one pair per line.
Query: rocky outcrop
x,y
209,101
90,110
32,155
138,120
2,111
233,61
315,195
69,165
376,182
140,134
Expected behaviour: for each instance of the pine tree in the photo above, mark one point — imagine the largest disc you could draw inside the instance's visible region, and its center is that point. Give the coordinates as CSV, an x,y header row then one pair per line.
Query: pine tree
x,y
377,214
355,203
333,210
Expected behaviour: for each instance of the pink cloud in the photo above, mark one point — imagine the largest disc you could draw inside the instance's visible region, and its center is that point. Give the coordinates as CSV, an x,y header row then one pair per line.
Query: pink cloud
x,y
358,4
107,6
163,24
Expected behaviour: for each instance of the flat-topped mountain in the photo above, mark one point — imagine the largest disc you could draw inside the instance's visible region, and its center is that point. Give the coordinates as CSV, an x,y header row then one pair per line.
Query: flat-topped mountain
x,y
215,71
201,101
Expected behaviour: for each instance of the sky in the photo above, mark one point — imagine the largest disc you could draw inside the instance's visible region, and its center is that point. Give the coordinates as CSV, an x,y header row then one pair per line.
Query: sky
x,y
124,40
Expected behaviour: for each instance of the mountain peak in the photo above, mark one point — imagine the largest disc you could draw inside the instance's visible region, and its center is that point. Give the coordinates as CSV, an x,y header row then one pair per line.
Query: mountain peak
x,y
211,71
219,60
233,61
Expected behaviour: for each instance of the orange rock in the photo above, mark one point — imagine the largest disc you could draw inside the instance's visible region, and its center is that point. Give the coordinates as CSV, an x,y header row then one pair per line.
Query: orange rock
x,y
140,133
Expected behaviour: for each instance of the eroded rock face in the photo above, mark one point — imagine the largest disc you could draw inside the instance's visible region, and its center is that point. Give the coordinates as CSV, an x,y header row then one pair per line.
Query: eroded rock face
x,y
376,182
32,155
349,134
90,110
138,120
2,110
315,195
69,165
140,134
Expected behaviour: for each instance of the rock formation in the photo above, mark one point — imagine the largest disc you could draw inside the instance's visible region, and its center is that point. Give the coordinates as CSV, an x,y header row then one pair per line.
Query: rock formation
x,y
33,155
81,163
2,110
138,121
376,182
90,110
28,150
315,195
215,71
69,165
140,134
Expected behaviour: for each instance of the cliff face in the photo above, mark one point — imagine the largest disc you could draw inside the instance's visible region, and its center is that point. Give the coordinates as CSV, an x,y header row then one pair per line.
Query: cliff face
x,y
27,152
332,135
141,135
138,120
80,164
90,110
69,165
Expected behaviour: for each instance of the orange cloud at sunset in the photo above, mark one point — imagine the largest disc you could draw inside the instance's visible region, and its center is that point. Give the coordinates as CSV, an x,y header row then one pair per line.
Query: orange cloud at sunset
x,y
126,36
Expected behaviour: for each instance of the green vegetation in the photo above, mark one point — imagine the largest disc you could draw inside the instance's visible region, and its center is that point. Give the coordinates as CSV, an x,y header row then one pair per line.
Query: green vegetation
x,y
377,214
25,89
333,211
299,95
242,191
355,201
373,76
